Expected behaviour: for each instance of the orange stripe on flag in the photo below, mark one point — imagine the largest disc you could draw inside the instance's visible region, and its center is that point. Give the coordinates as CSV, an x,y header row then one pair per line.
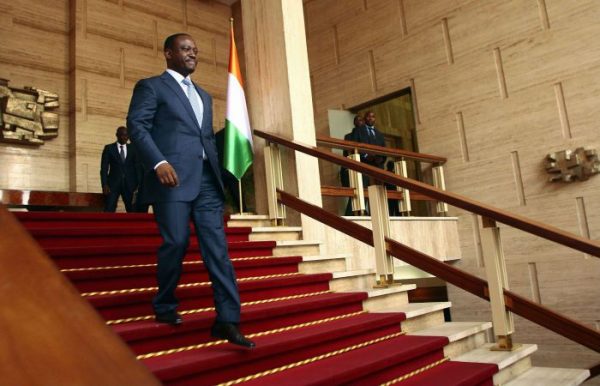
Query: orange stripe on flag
x,y
234,64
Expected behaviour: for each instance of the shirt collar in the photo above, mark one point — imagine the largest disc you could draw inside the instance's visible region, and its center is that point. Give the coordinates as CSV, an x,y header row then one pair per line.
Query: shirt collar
x,y
118,144
177,76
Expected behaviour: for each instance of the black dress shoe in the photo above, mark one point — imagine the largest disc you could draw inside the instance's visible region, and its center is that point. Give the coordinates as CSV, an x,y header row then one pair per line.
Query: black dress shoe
x,y
230,332
169,318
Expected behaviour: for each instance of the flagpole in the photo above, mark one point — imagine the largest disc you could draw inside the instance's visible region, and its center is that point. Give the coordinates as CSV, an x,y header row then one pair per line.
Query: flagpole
x,y
240,196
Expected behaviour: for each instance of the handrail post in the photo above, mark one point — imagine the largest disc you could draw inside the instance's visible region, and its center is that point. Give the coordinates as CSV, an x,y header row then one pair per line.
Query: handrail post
x,y
439,182
404,205
356,182
497,278
274,179
384,262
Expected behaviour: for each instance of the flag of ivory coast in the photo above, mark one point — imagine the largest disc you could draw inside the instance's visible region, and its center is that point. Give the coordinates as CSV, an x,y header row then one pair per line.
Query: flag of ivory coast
x,y
238,134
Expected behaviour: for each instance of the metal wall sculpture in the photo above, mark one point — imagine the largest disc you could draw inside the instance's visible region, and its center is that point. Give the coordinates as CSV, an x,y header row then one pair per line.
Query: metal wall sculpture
x,y
569,165
24,114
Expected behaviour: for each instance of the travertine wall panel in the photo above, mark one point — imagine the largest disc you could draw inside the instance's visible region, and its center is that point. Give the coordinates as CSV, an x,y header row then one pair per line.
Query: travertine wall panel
x,y
399,59
380,20
323,14
551,56
322,49
486,24
417,16
113,44
208,15
444,89
498,84
34,52
166,10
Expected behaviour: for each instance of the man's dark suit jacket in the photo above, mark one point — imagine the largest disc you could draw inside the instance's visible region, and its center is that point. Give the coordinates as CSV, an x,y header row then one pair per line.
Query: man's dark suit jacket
x,y
361,134
116,173
162,125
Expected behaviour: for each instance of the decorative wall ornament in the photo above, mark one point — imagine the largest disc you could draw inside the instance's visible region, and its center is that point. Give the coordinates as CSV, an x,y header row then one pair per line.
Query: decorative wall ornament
x,y
24,115
569,165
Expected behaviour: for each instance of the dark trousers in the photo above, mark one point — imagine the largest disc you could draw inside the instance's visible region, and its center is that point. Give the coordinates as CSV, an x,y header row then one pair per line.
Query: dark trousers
x,y
206,212
110,205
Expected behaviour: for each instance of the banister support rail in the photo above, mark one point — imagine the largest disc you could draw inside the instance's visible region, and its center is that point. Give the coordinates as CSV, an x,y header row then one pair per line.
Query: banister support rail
x,y
496,291
515,303
497,279
274,179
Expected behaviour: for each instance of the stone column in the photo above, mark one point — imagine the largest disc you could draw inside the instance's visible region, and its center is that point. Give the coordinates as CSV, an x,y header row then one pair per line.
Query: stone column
x,y
279,97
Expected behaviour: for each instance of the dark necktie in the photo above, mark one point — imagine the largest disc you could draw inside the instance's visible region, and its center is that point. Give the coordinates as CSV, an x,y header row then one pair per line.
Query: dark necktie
x,y
122,153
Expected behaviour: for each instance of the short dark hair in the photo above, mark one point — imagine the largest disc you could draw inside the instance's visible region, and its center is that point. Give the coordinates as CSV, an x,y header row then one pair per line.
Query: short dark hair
x,y
171,39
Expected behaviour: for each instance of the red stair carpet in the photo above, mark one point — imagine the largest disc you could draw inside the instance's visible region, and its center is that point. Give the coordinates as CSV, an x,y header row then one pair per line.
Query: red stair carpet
x,y
305,334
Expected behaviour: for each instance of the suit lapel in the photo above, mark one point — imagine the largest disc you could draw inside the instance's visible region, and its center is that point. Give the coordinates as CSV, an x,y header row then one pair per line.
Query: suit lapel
x,y
114,148
185,102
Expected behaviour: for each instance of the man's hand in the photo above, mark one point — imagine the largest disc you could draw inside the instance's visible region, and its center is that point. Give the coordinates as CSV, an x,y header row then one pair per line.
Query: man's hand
x,y
166,175
105,190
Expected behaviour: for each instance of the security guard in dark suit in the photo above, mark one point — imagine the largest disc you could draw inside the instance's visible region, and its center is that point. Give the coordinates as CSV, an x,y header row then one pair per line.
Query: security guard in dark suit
x,y
119,172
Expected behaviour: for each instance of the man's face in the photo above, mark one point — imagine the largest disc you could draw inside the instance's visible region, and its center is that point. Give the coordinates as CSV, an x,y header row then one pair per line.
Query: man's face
x,y
183,55
370,119
122,136
359,121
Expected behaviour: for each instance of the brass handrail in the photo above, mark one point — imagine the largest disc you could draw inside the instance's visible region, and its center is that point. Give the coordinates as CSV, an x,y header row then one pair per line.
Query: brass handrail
x,y
520,222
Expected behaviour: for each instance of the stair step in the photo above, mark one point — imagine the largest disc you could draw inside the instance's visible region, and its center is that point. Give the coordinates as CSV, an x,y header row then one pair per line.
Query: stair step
x,y
550,377
82,220
296,247
98,256
510,363
115,237
148,336
249,220
419,315
323,263
463,336
354,280
454,331
371,363
275,233
137,301
453,373
215,364
385,298
144,275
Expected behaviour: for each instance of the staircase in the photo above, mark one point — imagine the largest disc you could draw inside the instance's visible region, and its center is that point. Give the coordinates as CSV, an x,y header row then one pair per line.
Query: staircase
x,y
314,321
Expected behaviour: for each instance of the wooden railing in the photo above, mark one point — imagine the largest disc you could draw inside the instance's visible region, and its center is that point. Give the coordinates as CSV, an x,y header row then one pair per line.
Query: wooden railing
x,y
520,222
534,312
402,197
510,301
50,334
372,149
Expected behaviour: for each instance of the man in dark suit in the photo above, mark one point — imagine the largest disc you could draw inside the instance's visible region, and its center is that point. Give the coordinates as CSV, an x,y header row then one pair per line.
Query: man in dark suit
x,y
118,172
170,120
344,174
369,134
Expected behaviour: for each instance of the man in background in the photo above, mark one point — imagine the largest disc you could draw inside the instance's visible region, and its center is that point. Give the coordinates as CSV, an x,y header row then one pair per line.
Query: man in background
x,y
371,135
344,174
118,172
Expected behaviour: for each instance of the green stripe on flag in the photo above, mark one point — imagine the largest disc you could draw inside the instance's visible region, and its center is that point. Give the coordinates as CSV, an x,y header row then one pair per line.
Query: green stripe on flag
x,y
238,151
